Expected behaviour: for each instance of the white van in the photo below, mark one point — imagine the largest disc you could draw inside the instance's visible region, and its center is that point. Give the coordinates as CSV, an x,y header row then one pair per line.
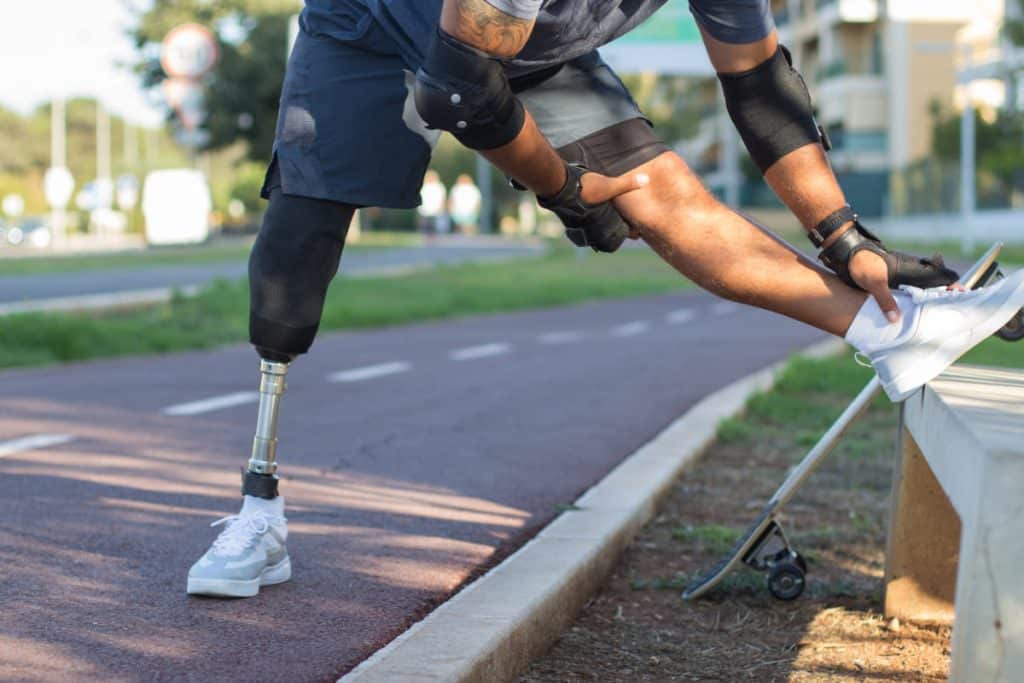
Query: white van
x,y
176,205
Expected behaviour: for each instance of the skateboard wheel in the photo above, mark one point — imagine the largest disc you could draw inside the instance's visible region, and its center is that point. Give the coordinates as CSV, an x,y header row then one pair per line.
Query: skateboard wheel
x,y
1013,330
786,580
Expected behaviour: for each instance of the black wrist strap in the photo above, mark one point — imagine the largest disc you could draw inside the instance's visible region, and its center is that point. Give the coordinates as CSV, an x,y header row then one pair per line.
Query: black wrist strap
x,y
570,192
823,230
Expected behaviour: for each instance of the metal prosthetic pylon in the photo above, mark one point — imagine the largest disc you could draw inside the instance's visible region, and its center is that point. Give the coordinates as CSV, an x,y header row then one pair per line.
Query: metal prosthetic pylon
x,y
260,478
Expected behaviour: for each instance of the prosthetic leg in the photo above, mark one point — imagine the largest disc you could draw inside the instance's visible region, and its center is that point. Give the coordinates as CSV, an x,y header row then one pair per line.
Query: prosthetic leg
x,y
250,552
260,477
293,261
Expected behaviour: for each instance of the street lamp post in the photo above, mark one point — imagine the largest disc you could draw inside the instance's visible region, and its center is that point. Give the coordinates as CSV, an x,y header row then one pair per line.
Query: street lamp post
x,y
968,159
104,174
483,181
103,171
58,159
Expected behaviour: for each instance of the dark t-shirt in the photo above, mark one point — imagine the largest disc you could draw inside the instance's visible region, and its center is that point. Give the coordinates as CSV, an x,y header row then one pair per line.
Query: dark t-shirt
x,y
564,29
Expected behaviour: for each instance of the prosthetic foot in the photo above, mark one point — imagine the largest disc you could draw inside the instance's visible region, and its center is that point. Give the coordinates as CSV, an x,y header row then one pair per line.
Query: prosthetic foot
x,y
250,552
938,326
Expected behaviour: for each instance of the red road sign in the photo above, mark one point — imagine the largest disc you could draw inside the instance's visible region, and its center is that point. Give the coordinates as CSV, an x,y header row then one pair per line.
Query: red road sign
x,y
189,51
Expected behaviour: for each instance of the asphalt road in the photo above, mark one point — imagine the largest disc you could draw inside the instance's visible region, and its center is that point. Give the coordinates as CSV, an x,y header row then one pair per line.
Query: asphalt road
x,y
438,449
21,288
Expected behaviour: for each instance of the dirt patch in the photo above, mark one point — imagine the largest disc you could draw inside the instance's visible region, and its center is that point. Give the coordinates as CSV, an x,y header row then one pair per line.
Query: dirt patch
x,y
638,628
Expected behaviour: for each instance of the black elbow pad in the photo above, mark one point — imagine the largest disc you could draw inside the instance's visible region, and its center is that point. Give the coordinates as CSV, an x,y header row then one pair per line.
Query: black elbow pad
x,y
466,92
771,108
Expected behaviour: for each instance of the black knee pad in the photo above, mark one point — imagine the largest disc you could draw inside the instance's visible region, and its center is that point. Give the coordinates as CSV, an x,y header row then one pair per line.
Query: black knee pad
x,y
293,261
771,108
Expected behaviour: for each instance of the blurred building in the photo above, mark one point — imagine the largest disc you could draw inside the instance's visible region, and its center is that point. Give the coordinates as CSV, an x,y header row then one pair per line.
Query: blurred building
x,y
877,69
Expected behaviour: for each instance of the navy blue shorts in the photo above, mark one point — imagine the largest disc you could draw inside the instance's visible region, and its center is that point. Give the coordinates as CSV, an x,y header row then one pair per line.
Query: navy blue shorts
x,y
348,130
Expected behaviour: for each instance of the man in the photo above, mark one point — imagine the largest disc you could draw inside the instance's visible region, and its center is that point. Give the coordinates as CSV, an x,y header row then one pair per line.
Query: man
x,y
433,200
370,85
464,205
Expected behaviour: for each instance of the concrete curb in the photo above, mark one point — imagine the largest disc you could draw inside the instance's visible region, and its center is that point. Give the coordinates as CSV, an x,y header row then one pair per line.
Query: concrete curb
x,y
493,628
91,302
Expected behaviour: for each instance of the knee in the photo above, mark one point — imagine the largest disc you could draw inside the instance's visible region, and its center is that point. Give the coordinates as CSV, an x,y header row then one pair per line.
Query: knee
x,y
292,263
674,199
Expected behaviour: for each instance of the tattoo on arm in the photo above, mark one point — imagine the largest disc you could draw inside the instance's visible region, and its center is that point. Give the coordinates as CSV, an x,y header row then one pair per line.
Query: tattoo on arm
x,y
489,29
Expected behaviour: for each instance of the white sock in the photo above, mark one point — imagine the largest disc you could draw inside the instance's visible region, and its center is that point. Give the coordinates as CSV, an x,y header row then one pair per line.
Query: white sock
x,y
254,505
871,330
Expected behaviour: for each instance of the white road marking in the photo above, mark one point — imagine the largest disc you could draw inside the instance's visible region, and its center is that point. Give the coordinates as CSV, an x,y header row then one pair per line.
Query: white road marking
x,y
724,308
683,315
483,351
631,329
31,443
208,405
370,372
560,337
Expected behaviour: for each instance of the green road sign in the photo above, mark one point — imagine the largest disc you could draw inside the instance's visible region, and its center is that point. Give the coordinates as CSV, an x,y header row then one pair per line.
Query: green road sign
x,y
669,43
673,23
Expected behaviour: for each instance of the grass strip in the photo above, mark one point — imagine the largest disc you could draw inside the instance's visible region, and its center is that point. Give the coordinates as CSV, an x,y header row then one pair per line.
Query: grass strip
x,y
219,314
794,402
1012,253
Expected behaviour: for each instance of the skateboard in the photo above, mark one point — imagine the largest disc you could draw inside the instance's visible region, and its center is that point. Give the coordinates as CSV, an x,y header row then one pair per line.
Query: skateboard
x,y
764,546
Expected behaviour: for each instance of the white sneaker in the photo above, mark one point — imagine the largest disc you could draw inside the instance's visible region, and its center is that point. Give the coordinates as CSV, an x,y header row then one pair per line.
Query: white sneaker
x,y
249,553
939,326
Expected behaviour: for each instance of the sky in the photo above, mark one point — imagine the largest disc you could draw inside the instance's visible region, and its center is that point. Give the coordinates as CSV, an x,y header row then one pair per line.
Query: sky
x,y
71,47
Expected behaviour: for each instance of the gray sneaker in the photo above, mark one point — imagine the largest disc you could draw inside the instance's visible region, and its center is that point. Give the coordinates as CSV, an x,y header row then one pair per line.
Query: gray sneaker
x,y
249,553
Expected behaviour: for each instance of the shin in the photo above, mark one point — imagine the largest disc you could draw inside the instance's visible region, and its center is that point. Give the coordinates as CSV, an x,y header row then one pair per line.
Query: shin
x,y
729,255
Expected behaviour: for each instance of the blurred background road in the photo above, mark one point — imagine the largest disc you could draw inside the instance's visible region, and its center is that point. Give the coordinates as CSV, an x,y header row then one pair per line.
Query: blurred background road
x,y
229,263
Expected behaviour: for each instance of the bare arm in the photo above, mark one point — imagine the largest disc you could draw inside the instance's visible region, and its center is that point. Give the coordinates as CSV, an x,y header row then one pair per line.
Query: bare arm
x,y
529,158
477,23
803,178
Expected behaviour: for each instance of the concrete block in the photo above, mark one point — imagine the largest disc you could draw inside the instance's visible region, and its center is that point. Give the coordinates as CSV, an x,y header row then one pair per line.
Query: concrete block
x,y
924,543
969,427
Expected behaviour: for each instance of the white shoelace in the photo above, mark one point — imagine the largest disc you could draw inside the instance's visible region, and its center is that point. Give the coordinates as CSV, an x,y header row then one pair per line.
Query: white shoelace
x,y
241,532
862,360
920,296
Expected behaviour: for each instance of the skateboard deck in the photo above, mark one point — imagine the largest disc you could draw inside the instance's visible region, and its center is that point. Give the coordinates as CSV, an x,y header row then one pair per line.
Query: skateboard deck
x,y
764,546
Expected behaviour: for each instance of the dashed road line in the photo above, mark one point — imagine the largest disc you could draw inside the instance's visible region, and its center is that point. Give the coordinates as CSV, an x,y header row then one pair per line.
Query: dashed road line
x,y
631,329
482,351
208,405
370,372
561,337
725,308
31,443
683,315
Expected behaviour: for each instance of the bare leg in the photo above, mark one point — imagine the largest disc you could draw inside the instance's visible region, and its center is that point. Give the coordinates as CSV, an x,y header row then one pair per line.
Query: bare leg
x,y
728,255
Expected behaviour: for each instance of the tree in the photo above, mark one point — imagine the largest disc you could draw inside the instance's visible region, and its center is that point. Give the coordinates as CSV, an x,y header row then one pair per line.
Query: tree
x,y
999,150
1013,25
243,89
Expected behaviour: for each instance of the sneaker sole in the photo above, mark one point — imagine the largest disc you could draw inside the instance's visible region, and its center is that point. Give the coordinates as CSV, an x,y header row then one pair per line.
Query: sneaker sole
x,y
234,588
952,349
